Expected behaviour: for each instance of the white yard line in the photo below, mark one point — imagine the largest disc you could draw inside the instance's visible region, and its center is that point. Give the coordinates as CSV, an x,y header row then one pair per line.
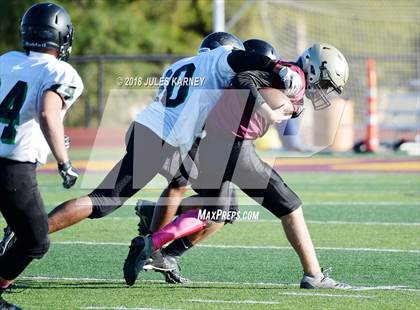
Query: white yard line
x,y
253,247
283,285
91,243
385,288
248,202
252,302
326,295
244,200
361,203
263,302
318,248
122,308
134,218
361,223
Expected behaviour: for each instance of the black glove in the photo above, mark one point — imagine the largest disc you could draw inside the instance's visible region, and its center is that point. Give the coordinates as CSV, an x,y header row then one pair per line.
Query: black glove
x,y
68,173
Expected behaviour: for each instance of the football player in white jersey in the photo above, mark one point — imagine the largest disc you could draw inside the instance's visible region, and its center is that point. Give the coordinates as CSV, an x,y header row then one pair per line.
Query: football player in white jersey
x,y
227,155
157,136
37,87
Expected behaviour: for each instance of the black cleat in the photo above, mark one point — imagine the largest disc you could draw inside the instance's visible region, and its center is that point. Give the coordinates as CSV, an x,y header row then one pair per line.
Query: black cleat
x,y
9,238
138,256
144,210
4,305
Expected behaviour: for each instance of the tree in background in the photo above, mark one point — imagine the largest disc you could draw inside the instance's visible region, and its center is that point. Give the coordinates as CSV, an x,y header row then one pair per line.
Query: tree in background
x,y
122,26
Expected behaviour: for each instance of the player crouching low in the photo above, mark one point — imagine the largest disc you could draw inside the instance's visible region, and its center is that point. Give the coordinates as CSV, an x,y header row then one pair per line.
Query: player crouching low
x,y
324,69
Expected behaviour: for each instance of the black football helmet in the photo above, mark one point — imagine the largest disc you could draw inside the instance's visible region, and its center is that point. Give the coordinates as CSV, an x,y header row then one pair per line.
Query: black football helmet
x,y
47,25
216,39
261,47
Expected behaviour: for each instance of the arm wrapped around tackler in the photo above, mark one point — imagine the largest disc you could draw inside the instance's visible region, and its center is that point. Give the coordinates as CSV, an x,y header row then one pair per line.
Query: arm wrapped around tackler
x,y
277,106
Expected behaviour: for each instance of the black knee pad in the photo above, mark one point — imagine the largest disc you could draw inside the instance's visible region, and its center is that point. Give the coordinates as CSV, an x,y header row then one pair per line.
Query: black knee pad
x,y
105,201
279,198
37,249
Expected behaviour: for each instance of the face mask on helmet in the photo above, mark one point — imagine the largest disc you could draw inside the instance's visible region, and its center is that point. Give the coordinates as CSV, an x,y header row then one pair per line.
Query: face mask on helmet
x,y
326,70
319,91
65,49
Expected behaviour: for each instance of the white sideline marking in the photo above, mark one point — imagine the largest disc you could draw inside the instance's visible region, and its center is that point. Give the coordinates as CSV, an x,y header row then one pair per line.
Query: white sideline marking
x,y
385,288
284,285
254,247
234,301
123,308
244,200
119,218
364,223
277,302
362,203
327,295
339,222
92,243
317,248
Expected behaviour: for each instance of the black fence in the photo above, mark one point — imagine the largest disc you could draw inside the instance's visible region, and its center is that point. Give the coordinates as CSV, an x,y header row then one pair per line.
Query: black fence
x,y
100,73
99,83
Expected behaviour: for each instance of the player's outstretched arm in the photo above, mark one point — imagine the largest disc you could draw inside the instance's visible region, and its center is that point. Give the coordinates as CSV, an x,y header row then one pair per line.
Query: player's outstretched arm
x,y
53,130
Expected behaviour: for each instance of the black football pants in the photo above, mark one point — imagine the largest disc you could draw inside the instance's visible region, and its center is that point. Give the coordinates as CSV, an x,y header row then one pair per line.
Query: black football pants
x,y
22,207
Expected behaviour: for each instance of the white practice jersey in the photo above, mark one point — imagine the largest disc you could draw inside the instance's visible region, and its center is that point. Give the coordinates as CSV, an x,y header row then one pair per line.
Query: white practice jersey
x,y
191,88
23,80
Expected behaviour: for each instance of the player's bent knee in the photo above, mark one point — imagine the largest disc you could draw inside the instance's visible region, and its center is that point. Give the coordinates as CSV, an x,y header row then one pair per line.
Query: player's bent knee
x,y
104,202
99,212
39,248
280,199
293,209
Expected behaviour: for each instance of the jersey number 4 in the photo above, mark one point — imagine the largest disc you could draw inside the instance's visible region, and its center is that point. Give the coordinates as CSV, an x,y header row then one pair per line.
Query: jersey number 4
x,y
9,111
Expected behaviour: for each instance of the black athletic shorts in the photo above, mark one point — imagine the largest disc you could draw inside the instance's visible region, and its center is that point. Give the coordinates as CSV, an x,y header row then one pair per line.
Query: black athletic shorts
x,y
224,160
146,156
22,207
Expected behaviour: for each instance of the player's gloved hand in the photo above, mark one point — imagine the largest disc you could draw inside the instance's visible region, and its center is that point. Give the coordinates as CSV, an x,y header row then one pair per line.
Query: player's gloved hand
x,y
67,142
292,81
68,173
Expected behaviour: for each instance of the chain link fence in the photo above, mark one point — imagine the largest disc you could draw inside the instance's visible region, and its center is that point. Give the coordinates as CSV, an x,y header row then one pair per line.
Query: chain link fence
x,y
385,30
388,31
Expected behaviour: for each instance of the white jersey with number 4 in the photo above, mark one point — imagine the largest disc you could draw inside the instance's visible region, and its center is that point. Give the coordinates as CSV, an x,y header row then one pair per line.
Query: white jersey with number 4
x,y
191,87
23,81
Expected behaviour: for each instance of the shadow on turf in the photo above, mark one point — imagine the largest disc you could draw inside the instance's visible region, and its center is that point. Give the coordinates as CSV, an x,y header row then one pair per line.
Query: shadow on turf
x,y
40,285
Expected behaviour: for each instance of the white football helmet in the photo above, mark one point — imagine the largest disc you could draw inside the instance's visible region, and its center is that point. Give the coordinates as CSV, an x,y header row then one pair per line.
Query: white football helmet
x,y
326,70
